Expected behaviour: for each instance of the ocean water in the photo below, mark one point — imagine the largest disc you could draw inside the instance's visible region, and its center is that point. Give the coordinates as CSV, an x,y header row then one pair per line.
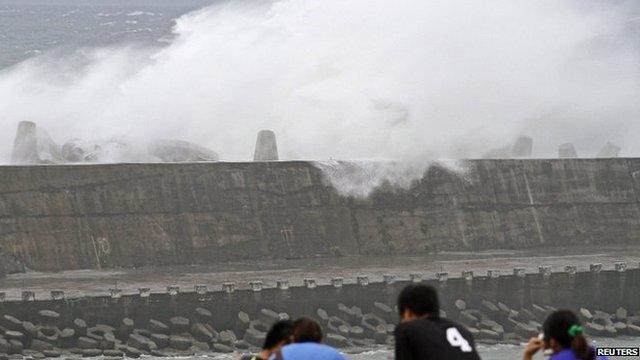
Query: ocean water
x,y
32,27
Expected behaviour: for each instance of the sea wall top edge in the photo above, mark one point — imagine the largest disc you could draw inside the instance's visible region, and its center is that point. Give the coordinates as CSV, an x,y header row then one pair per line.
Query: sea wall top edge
x,y
303,162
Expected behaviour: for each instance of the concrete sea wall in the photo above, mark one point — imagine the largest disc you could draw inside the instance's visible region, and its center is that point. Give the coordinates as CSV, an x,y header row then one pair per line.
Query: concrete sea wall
x,y
506,306
129,215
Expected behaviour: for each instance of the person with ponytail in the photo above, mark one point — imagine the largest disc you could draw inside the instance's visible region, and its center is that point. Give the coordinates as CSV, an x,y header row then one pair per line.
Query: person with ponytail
x,y
564,336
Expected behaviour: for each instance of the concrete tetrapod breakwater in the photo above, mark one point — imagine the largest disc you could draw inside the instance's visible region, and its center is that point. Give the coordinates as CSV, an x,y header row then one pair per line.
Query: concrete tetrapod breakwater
x,y
498,307
131,215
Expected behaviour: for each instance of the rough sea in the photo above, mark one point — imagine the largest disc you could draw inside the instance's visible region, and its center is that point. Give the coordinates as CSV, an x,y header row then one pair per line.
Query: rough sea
x,y
30,28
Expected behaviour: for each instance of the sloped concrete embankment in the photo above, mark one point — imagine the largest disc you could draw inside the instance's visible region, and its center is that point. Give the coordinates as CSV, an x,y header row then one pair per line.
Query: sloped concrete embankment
x,y
497,307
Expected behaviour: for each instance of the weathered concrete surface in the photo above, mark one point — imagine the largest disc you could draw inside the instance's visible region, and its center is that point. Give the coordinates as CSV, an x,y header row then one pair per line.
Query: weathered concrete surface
x,y
180,151
523,147
605,290
567,150
99,216
25,146
266,146
609,150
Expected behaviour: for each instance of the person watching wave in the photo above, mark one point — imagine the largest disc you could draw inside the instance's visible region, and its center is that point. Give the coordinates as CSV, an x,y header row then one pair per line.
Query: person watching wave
x,y
278,336
564,336
307,344
423,334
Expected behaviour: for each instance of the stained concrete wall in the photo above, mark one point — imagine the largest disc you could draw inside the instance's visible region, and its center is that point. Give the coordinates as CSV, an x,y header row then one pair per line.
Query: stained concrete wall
x,y
601,290
98,216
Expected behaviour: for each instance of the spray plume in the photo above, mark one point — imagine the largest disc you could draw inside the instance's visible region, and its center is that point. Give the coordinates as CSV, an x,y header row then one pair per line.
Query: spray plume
x,y
407,80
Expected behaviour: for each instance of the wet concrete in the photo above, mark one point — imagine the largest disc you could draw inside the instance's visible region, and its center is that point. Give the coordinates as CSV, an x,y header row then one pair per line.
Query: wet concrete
x,y
78,283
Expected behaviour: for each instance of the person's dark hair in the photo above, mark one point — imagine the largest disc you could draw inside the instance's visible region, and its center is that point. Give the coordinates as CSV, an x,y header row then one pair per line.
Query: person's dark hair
x,y
280,332
564,327
306,330
421,299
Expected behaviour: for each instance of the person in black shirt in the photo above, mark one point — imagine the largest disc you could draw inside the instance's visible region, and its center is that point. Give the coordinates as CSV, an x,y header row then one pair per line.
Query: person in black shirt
x,y
423,335
278,336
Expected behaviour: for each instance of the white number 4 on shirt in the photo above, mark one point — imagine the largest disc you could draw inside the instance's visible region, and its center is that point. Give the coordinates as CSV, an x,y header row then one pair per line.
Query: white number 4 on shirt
x,y
456,340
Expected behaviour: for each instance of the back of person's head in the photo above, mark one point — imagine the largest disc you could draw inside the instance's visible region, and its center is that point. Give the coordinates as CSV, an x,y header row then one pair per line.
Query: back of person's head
x,y
306,330
419,299
564,327
278,334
